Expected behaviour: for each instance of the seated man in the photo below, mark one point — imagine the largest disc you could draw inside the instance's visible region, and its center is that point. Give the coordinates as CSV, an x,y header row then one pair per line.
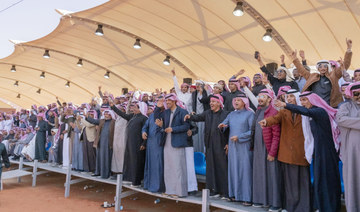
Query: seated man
x,y
21,143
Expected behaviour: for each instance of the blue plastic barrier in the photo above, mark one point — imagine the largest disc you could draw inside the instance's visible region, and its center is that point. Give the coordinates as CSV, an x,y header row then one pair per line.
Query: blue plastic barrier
x,y
200,163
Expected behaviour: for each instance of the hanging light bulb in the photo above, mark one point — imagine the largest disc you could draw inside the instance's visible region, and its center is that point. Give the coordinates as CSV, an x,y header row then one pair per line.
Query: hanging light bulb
x,y
16,83
38,91
67,84
18,96
267,36
137,44
238,11
46,54
13,69
107,75
79,63
42,75
167,61
99,31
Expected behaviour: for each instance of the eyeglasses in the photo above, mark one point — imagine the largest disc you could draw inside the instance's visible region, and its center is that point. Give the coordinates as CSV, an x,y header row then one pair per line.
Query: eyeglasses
x,y
322,65
281,71
256,77
261,97
356,94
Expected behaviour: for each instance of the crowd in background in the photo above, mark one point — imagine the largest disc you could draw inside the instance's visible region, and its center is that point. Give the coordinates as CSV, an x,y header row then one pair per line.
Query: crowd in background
x,y
259,138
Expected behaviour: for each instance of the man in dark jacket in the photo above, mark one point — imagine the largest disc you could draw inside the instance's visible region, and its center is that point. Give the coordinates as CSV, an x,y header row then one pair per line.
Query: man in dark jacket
x,y
216,147
284,77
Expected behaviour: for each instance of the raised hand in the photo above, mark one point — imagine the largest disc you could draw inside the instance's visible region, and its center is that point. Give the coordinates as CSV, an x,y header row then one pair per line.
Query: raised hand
x,y
294,55
302,54
173,71
282,59
349,43
239,73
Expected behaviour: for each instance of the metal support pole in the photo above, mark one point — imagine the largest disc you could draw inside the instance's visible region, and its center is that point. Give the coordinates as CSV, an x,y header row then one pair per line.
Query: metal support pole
x,y
34,175
21,164
205,200
118,192
67,182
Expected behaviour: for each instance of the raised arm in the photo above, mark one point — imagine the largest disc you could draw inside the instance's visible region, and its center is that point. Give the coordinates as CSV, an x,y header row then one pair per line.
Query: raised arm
x,y
251,96
302,71
120,113
176,84
301,110
303,59
100,92
93,121
348,54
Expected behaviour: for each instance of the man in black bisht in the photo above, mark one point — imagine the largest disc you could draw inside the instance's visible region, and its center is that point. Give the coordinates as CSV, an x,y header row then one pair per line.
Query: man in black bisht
x,y
216,146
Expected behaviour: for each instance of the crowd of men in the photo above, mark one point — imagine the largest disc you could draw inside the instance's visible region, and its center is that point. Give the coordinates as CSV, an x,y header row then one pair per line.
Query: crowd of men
x,y
259,139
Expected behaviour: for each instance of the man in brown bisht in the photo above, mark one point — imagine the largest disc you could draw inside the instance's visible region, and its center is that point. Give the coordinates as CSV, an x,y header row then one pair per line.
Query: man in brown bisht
x,y
294,169
325,84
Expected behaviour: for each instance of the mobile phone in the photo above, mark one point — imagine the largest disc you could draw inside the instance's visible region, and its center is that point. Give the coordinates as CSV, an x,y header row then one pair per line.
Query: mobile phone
x,y
256,55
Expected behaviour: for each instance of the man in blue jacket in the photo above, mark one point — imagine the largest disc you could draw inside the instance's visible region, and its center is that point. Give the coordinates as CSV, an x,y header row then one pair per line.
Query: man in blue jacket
x,y
174,139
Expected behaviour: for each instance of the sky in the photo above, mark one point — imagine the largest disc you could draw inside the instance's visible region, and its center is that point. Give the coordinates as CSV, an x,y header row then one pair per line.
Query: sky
x,y
28,20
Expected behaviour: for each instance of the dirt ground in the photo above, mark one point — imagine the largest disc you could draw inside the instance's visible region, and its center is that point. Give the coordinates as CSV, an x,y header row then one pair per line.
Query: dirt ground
x,y
48,196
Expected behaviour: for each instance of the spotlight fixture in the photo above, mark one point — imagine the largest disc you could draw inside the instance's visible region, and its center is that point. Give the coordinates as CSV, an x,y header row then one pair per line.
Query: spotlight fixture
x,y
167,61
79,63
99,31
267,36
46,54
18,96
238,11
42,75
67,84
38,91
107,75
16,83
13,69
137,44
